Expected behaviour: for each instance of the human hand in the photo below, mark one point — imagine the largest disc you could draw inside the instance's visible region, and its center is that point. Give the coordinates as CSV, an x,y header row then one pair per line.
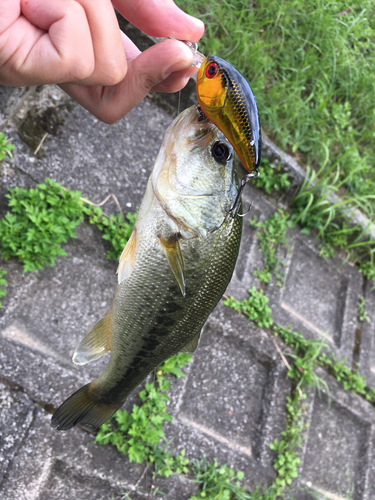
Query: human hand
x,y
78,44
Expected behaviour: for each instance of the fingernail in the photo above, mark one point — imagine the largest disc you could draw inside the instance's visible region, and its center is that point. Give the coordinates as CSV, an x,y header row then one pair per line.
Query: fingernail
x,y
185,60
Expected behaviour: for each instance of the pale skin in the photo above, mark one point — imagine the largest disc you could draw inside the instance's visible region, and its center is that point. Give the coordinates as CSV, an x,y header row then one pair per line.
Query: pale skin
x,y
78,45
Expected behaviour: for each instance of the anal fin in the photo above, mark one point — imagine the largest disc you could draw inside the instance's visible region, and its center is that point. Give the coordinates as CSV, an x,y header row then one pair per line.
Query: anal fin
x,y
96,343
192,345
172,252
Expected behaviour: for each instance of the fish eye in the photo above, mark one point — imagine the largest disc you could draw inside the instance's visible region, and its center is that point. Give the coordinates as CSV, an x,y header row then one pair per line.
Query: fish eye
x,y
212,70
221,152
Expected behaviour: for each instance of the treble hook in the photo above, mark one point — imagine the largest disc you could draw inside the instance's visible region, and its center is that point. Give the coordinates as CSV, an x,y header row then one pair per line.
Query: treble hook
x,y
244,181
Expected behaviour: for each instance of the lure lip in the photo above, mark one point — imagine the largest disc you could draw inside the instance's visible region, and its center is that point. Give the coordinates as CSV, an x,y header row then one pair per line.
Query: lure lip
x,y
230,73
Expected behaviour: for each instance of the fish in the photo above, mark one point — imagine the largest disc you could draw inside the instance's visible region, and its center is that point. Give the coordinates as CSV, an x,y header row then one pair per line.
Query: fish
x,y
226,98
172,272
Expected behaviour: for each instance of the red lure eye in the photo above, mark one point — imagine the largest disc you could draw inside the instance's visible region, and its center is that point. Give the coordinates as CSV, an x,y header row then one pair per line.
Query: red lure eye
x,y
212,70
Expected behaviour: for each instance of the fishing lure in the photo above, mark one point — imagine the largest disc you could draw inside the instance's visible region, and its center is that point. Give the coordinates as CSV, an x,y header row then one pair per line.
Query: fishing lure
x,y
227,100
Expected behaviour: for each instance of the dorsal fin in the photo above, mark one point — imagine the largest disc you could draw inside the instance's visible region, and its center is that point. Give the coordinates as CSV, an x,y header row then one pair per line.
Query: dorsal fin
x,y
126,262
172,251
96,343
192,345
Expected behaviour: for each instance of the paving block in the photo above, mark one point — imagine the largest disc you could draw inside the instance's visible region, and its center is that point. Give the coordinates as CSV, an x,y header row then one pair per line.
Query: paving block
x,y
11,98
65,465
83,153
231,406
250,256
16,415
366,338
319,297
50,464
47,314
338,457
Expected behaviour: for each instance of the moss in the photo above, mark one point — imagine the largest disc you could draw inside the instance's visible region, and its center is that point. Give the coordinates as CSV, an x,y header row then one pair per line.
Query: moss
x,y
38,122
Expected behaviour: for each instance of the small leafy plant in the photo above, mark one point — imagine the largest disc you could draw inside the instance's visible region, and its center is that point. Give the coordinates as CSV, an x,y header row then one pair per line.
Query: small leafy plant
x,y
287,461
3,282
255,307
42,218
114,228
39,221
5,147
271,179
271,234
362,313
218,482
139,434
367,268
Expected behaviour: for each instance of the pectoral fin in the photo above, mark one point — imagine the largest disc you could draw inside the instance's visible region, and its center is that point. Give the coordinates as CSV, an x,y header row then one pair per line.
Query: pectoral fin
x,y
172,251
126,262
192,345
96,343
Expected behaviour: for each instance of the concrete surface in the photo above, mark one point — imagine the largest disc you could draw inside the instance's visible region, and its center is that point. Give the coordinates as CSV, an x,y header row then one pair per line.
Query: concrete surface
x,y
231,405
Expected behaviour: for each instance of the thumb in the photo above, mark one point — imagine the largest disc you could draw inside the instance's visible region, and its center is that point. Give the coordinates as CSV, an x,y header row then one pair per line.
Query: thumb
x,y
155,65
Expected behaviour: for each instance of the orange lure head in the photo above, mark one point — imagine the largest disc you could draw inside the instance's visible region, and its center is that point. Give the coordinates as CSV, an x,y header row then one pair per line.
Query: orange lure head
x,y
228,101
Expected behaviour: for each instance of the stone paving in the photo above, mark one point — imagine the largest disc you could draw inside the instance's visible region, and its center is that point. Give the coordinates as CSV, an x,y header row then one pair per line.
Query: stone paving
x,y
231,405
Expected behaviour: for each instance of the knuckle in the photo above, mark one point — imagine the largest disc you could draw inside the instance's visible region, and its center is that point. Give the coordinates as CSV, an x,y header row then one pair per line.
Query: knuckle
x,y
114,74
147,81
82,68
108,115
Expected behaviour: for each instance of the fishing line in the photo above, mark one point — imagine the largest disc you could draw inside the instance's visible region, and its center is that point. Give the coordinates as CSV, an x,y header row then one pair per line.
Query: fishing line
x,y
179,102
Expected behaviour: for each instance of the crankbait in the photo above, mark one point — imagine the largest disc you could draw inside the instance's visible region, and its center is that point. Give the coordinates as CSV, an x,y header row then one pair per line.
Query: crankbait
x,y
227,100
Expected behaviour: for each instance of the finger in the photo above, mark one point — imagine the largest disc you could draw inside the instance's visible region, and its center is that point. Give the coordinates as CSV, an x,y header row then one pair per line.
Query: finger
x,y
31,55
109,57
145,72
160,18
10,11
176,81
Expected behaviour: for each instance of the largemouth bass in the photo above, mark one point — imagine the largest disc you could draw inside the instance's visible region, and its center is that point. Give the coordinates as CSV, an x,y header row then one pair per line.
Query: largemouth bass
x,y
172,272
228,101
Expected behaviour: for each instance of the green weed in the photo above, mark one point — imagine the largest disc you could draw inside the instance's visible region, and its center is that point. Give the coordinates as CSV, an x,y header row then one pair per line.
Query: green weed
x,y
307,356
39,221
367,268
310,67
221,482
362,313
271,234
287,461
114,228
3,282
5,147
313,209
255,307
139,434
271,179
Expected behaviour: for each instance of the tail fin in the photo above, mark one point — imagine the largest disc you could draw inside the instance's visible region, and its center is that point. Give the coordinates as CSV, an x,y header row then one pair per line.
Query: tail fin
x,y
80,408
